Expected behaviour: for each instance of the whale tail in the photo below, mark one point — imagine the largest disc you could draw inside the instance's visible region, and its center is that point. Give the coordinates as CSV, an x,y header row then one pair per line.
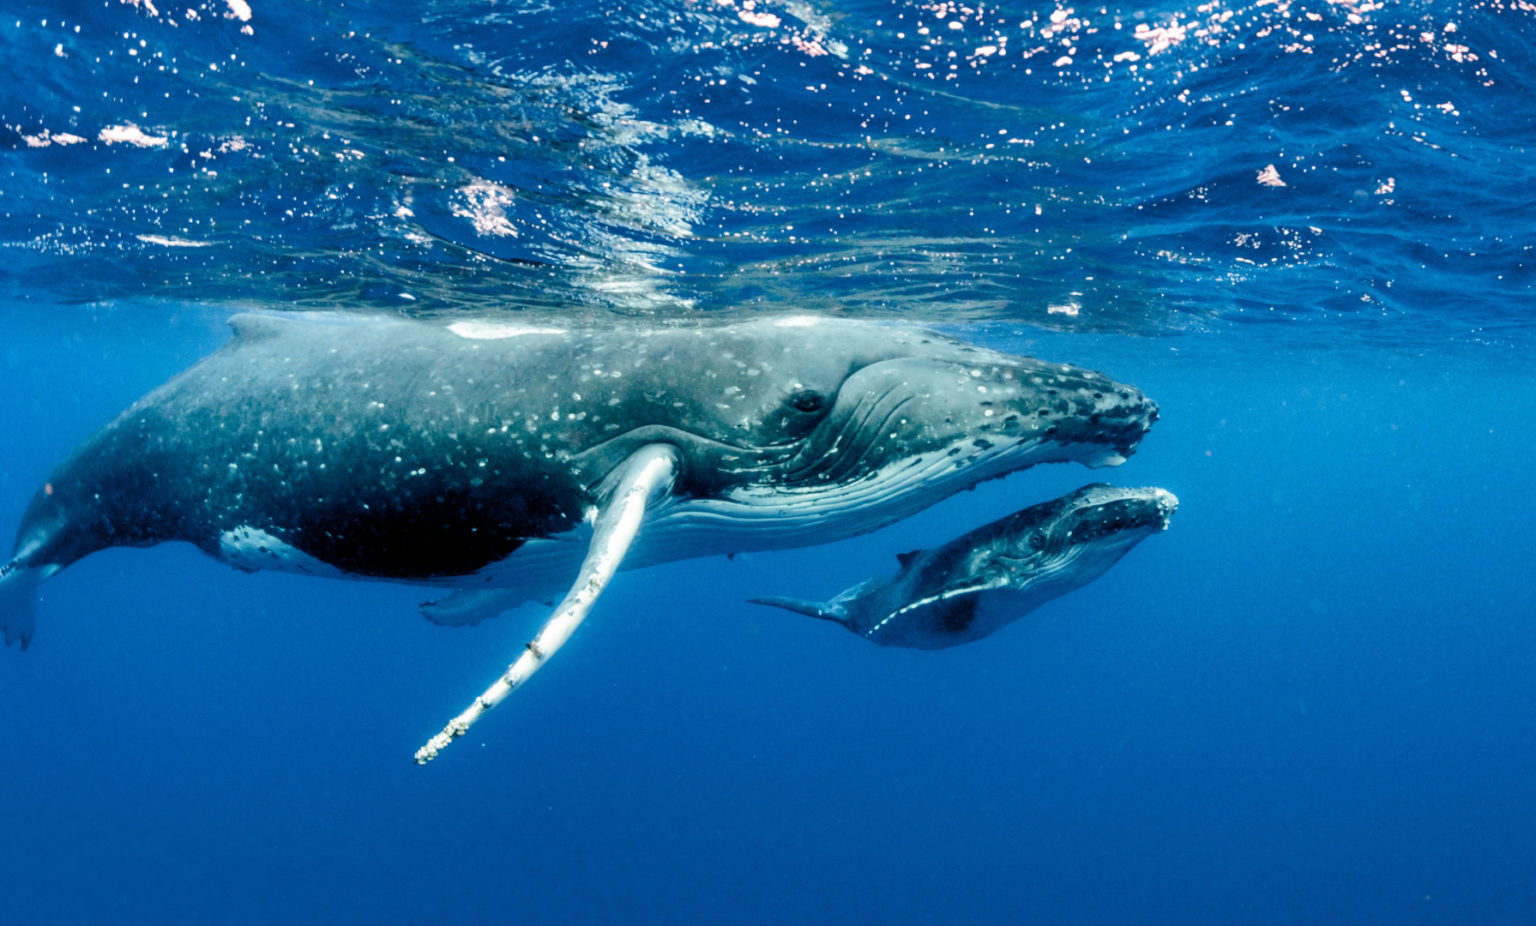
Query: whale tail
x,y
826,610
835,610
18,601
799,605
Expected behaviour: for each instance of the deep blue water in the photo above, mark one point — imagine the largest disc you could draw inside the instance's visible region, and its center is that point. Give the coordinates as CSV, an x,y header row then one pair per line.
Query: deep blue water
x,y
1309,701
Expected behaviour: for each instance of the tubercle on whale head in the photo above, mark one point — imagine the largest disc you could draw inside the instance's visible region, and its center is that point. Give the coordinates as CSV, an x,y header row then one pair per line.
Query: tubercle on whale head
x,y
902,433
1102,512
822,404
1096,412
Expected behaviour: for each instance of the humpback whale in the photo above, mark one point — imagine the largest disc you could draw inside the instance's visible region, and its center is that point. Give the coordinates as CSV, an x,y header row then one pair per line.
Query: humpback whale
x,y
510,461
978,583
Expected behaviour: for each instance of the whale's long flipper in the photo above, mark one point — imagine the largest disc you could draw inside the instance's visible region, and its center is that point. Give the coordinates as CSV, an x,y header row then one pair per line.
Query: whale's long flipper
x,y
645,478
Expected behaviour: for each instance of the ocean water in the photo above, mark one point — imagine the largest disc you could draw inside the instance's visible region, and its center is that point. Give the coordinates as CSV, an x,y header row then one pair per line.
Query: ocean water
x,y
1302,227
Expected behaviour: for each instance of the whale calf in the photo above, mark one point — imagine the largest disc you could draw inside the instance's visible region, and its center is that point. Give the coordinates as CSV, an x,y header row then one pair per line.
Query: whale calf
x,y
511,461
978,583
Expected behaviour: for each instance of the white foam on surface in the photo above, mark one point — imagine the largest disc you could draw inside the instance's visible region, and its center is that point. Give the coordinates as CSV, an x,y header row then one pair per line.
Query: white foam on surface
x,y
131,135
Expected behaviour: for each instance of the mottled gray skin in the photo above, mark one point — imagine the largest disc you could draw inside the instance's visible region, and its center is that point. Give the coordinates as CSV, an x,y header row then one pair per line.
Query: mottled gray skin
x,y
414,451
980,582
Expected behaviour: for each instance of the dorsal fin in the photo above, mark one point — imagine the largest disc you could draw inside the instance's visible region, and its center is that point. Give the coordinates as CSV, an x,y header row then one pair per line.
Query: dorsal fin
x,y
250,327
257,326
905,559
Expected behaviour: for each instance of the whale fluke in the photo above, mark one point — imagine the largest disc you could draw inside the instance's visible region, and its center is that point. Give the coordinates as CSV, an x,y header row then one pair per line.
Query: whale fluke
x,y
822,609
18,602
835,610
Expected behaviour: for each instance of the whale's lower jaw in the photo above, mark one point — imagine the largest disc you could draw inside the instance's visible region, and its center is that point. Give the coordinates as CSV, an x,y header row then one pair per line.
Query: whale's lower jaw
x,y
789,517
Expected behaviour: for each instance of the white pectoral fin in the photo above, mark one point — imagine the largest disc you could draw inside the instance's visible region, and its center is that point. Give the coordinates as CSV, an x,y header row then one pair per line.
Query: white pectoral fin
x,y
643,479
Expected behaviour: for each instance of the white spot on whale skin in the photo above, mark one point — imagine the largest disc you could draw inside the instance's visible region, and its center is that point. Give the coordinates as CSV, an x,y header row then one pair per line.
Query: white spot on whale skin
x,y
797,321
491,331
252,549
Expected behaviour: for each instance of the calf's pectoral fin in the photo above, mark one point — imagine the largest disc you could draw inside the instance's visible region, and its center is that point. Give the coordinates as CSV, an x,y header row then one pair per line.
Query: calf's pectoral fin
x,y
641,480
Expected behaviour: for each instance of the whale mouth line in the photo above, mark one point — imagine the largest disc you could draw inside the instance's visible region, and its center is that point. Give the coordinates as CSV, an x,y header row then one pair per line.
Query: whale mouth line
x,y
1126,517
884,495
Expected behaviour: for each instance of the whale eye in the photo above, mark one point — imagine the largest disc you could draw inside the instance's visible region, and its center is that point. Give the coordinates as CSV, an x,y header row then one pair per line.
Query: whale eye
x,y
808,400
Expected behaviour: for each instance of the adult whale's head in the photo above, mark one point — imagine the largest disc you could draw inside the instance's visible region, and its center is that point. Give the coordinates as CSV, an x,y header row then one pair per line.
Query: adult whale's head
x,y
821,428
